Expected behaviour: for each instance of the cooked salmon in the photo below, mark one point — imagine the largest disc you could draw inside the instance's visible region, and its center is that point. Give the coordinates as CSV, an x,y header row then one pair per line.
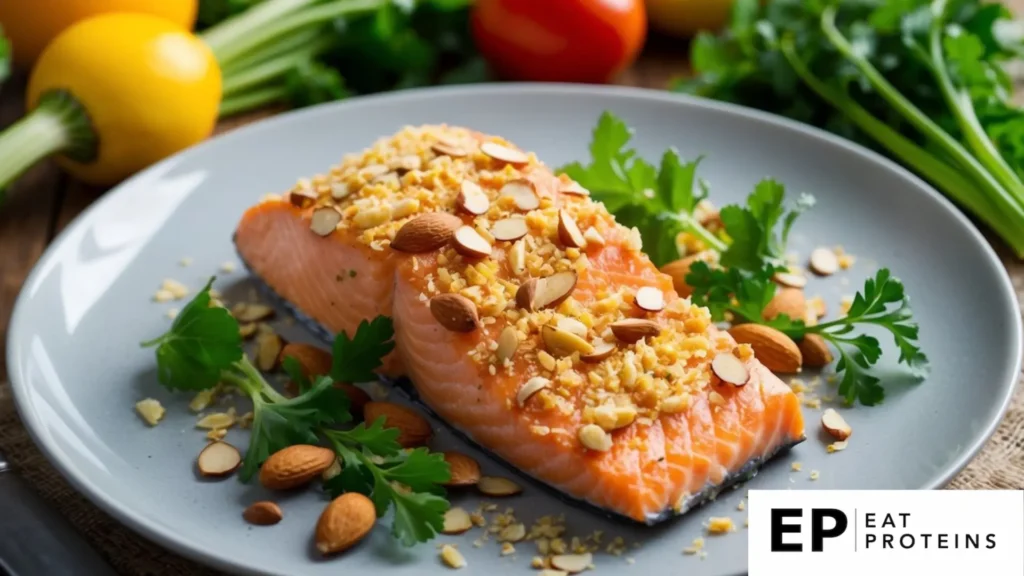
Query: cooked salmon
x,y
530,321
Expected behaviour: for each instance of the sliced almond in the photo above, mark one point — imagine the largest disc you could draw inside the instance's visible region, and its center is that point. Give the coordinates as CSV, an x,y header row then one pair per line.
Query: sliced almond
x,y
791,280
572,563
456,521
340,190
562,342
472,199
574,189
510,229
568,232
333,470
268,351
824,262
602,350
572,325
592,236
837,446
532,386
497,486
452,149
834,423
426,232
730,369
610,417
547,292
263,513
650,299
324,220
634,329
245,312
550,572
512,533
303,197
593,437
452,558
217,420
465,471
504,153
470,243
517,258
523,194
508,342
246,330
406,163
218,459
455,312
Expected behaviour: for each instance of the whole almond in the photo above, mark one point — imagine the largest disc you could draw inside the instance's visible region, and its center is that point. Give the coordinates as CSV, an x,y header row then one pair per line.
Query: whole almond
x,y
295,466
314,361
413,429
815,351
678,269
263,513
634,329
788,301
345,521
455,312
465,471
426,232
774,349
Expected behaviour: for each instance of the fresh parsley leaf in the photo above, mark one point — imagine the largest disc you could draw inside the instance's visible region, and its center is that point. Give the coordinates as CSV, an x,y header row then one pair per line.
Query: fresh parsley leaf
x,y
203,342
282,423
743,293
675,183
419,516
857,384
375,438
294,371
356,359
418,469
753,229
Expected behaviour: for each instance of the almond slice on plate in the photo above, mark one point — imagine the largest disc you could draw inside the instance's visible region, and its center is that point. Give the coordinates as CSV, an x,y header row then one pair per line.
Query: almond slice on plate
x,y
456,521
504,153
426,232
497,486
834,423
509,229
547,292
572,563
218,459
470,243
508,343
650,299
790,279
601,351
730,369
324,220
472,199
523,194
465,471
568,232
824,262
532,386
634,329
455,312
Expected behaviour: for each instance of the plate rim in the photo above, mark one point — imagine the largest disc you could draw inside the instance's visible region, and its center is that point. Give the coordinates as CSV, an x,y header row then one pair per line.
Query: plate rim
x,y
171,540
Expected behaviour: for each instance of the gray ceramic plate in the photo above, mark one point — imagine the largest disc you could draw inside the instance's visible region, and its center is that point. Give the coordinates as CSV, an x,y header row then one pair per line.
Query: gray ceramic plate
x,y
77,368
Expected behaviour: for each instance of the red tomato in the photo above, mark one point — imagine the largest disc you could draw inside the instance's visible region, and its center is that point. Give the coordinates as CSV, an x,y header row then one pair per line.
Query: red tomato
x,y
559,40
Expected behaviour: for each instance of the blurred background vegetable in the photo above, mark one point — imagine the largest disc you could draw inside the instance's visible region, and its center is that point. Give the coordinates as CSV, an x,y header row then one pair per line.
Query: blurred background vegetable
x,y
921,81
559,41
5,56
684,18
32,24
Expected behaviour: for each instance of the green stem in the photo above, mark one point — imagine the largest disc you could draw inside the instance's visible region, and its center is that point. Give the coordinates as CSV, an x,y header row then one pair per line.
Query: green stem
x,y
691,224
228,47
919,119
250,371
1000,216
252,389
237,83
222,37
962,107
252,100
58,123
265,53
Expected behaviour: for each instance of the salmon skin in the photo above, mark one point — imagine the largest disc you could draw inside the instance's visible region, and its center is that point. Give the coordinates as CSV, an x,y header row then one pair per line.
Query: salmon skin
x,y
526,319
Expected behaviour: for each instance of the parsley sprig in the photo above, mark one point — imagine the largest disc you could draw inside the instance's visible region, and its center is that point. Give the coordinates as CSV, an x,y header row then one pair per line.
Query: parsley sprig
x,y
660,202
203,348
881,302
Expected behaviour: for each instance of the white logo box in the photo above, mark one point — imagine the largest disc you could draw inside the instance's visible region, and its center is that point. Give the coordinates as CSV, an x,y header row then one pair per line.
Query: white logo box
x,y
904,532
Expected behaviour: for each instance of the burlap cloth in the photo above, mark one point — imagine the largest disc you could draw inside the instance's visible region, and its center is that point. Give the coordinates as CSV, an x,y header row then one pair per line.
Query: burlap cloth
x,y
1000,465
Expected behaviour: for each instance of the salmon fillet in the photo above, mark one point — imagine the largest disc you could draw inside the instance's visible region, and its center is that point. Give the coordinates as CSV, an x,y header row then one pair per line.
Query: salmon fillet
x,y
607,396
